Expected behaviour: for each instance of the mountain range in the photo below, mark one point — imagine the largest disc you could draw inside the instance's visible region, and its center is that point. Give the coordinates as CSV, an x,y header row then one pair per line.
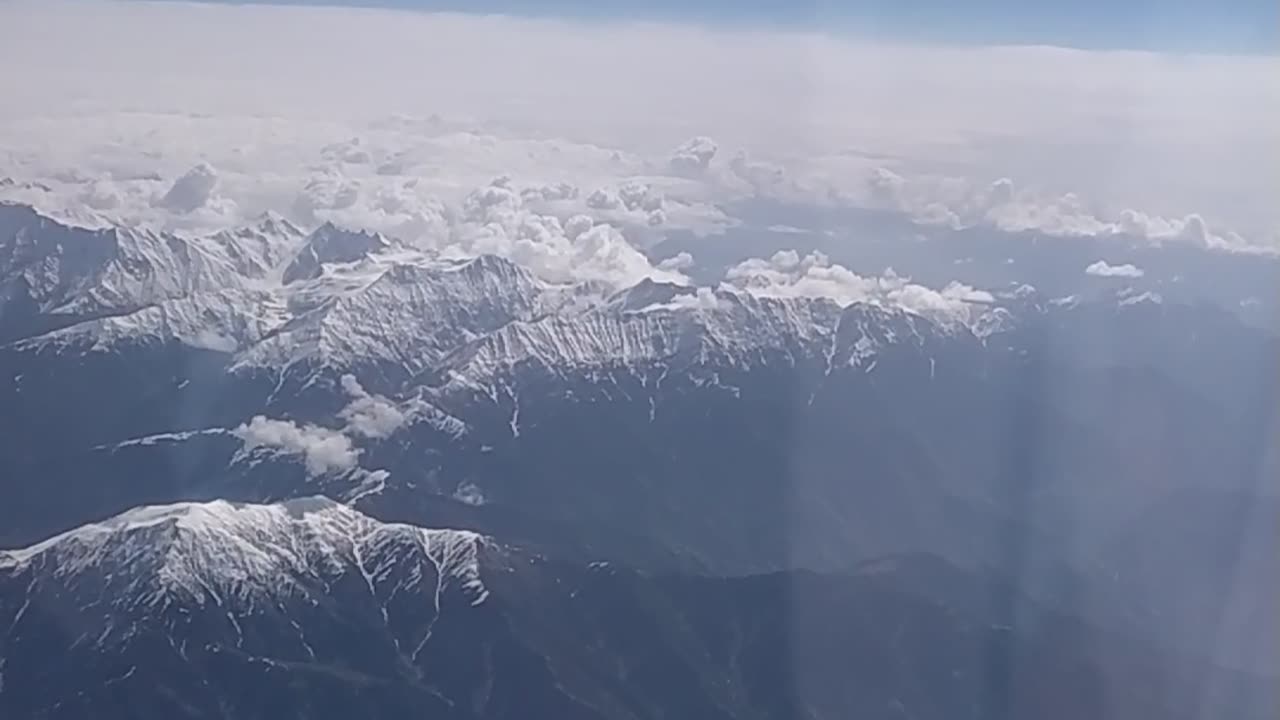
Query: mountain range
x,y
669,500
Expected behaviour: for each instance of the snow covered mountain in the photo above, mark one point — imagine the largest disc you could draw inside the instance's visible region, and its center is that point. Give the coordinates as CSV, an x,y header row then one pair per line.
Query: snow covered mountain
x,y
734,429
53,274
183,609
239,557
732,329
402,317
279,302
309,609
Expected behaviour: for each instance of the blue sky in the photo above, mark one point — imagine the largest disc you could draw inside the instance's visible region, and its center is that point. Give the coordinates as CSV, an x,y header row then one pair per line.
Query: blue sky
x,y
1235,26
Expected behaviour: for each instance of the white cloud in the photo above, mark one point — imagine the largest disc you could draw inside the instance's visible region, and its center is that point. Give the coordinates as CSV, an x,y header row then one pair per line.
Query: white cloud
x,y
101,195
886,189
370,416
702,298
679,262
786,274
322,450
325,191
579,249
326,450
1191,229
576,225
1102,268
965,293
1023,290
764,178
470,494
557,192
1005,206
693,157
602,199
639,196
1153,298
364,138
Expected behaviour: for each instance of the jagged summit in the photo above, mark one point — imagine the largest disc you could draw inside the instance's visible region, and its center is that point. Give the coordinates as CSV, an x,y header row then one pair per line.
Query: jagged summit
x,y
272,221
732,329
54,274
331,244
408,314
647,293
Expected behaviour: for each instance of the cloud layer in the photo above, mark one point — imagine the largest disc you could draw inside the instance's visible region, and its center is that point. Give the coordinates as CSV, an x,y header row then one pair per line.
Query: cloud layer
x,y
579,115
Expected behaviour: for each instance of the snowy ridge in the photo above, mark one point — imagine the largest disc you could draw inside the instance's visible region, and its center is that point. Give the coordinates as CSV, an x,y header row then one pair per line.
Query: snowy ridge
x,y
401,307
159,438
67,270
405,313
728,328
244,556
291,305
218,320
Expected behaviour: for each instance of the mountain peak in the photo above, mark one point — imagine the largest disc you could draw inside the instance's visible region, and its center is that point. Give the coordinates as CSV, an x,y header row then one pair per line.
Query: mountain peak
x,y
647,293
332,244
272,221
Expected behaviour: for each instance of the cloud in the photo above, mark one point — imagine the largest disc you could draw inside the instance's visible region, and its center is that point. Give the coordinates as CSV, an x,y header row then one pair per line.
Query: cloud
x,y
639,196
886,188
101,195
576,123
1102,269
324,191
1192,229
693,157
348,151
702,298
556,192
191,191
786,274
1149,297
679,262
576,225
322,450
469,493
370,416
1005,206
763,177
602,199
326,450
578,249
